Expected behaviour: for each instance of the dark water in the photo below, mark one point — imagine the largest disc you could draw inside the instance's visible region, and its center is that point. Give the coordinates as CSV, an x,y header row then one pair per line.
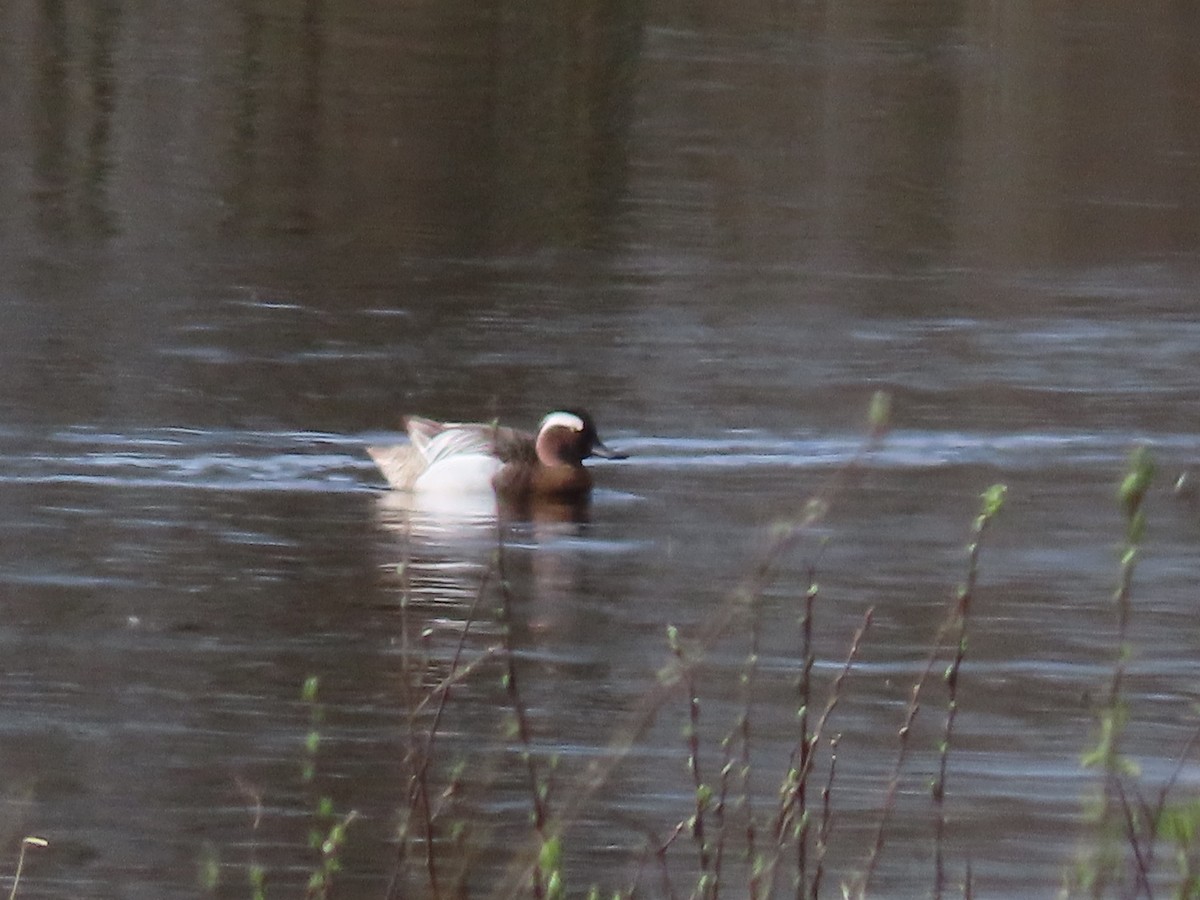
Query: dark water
x,y
238,241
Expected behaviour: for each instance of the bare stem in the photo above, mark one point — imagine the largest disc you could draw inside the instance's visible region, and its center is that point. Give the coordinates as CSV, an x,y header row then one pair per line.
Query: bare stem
x,y
799,772
993,499
420,754
521,716
25,842
806,747
826,827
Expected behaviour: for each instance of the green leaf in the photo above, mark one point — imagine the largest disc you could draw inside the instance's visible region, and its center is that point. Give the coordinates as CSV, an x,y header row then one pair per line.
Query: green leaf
x,y
993,500
309,692
550,856
879,415
1138,476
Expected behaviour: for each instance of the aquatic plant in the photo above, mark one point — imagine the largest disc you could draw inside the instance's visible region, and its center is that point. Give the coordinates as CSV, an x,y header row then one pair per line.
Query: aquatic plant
x,y
1124,825
1100,865
327,828
992,501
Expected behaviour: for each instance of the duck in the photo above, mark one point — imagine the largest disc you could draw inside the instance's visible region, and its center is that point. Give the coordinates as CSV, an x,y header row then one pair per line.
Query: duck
x,y
474,457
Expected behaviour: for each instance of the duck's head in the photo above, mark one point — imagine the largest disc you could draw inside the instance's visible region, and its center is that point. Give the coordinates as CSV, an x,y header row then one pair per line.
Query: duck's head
x,y
568,437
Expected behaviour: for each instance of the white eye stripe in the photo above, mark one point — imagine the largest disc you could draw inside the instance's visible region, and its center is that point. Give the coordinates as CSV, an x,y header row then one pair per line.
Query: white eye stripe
x,y
562,420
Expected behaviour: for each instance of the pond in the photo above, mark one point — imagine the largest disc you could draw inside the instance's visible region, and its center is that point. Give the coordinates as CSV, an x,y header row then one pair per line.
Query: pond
x,y
239,243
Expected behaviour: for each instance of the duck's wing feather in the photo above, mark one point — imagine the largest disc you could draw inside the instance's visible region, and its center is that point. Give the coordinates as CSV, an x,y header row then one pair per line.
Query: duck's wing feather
x,y
439,440
400,464
461,441
421,430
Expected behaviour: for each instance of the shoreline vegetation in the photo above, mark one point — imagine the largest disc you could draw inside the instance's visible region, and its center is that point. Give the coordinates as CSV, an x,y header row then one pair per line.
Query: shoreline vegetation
x,y
734,843
749,832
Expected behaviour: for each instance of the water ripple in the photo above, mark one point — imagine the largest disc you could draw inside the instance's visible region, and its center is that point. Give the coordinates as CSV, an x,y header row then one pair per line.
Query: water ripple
x,y
322,462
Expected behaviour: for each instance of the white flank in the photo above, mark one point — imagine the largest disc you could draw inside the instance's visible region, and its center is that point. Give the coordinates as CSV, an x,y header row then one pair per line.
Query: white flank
x,y
463,473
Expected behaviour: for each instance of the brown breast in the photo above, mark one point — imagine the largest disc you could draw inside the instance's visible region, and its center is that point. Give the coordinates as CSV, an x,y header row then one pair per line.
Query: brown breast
x,y
543,481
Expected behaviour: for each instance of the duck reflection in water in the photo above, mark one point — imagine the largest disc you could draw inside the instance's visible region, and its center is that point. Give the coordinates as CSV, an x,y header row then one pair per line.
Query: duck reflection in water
x,y
459,488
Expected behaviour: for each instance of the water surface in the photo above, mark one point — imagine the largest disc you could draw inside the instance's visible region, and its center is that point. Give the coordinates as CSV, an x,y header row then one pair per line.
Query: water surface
x,y
237,244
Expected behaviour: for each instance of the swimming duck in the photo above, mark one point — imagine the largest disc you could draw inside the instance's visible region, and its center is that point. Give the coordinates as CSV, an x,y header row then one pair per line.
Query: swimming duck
x,y
465,457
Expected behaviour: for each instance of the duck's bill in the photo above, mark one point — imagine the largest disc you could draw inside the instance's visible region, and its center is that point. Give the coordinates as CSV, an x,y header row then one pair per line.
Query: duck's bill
x,y
600,450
